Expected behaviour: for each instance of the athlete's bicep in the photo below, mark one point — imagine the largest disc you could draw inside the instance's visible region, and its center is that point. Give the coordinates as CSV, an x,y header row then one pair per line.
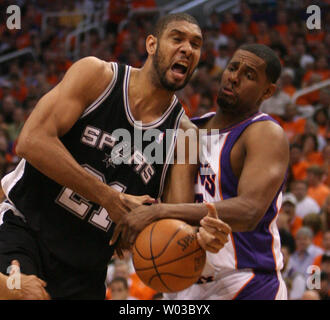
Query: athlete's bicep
x,y
265,165
58,110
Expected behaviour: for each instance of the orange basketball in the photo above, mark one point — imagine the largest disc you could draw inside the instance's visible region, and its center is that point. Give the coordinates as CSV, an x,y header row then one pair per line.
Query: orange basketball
x,y
167,256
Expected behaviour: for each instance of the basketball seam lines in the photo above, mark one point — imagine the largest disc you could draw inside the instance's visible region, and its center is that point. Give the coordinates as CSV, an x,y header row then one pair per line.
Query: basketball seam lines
x,y
167,262
169,241
153,261
172,274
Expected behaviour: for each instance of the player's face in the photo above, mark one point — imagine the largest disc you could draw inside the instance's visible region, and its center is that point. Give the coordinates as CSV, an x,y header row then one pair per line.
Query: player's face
x,y
299,190
177,54
118,291
243,84
302,242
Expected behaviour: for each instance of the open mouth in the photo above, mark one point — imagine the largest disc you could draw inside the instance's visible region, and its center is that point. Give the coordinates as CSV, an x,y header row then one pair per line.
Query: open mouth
x,y
179,68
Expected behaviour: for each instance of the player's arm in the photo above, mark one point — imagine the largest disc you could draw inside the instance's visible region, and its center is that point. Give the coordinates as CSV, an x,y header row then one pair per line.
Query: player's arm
x,y
180,180
266,161
53,117
264,169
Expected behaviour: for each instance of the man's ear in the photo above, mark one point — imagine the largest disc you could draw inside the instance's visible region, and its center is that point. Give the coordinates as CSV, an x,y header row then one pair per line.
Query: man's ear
x,y
269,91
151,44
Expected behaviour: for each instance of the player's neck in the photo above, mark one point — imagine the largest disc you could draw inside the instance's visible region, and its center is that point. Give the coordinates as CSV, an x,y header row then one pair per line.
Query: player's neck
x,y
147,102
223,120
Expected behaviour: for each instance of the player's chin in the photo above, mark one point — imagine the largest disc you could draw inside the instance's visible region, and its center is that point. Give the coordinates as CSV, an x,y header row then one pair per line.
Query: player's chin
x,y
226,100
180,84
178,81
228,107
173,85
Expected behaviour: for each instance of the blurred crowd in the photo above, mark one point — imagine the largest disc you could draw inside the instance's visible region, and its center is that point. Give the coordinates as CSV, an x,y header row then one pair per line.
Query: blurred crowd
x,y
304,220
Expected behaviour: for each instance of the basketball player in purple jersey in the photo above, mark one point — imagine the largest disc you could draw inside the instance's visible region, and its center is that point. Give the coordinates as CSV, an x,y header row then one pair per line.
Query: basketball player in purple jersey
x,y
243,176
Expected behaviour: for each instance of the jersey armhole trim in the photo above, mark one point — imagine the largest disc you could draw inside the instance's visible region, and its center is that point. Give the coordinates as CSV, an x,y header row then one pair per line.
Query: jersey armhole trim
x,y
11,179
170,153
104,94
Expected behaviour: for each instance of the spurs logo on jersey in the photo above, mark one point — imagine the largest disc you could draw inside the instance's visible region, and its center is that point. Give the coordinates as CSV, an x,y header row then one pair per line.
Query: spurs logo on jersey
x,y
122,152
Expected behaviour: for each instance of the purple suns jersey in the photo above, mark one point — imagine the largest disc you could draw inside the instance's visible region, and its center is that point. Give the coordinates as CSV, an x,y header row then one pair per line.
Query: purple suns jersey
x,y
259,249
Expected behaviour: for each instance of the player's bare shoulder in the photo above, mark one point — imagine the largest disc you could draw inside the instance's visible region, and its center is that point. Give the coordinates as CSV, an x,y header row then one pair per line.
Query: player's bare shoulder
x,y
187,139
267,135
188,132
88,77
268,127
186,124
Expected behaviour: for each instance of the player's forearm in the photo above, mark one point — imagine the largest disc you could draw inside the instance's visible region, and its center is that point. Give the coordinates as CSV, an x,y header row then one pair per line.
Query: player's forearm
x,y
241,215
51,158
191,213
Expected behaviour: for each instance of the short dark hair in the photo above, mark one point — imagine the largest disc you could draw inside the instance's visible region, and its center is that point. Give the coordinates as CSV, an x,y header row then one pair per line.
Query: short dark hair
x,y
273,63
162,23
325,258
287,240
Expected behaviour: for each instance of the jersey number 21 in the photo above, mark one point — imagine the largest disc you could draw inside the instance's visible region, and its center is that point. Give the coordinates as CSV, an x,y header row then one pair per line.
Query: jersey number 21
x,y
80,206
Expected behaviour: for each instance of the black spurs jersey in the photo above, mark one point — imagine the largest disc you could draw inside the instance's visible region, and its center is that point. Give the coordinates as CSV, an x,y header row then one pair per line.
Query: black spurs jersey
x,y
109,143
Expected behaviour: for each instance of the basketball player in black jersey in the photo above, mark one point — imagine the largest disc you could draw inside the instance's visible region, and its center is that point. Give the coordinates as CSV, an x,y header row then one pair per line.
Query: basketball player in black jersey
x,y
67,193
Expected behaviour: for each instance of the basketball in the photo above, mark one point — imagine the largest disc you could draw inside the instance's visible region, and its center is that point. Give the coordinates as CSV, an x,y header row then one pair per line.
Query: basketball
x,y
167,256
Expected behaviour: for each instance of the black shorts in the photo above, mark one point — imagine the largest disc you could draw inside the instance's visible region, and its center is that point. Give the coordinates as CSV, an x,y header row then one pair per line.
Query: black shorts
x,y
18,241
